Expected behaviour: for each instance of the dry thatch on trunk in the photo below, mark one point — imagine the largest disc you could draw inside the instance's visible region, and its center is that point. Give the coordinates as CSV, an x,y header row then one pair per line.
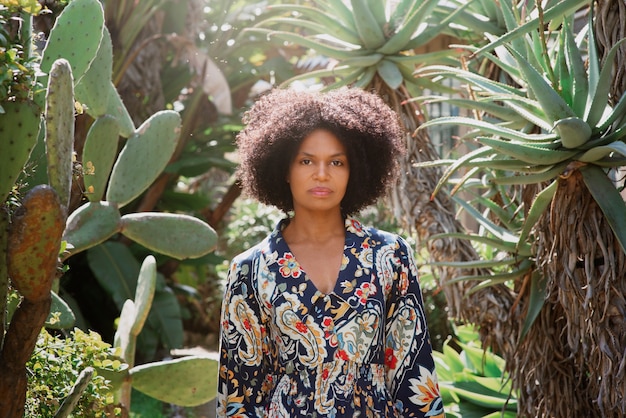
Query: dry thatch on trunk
x,y
572,361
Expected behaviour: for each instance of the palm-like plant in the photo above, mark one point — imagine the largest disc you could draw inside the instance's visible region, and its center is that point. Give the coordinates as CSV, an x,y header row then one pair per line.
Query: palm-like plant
x,y
552,133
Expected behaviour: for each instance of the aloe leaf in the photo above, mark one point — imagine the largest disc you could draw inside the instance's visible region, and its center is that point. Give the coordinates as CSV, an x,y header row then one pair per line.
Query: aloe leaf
x,y
496,230
366,78
322,48
540,203
488,241
340,11
536,300
488,280
609,200
484,363
472,393
563,8
342,72
455,166
399,40
490,128
600,152
601,92
578,73
370,32
390,73
325,20
551,102
617,115
477,264
529,153
533,178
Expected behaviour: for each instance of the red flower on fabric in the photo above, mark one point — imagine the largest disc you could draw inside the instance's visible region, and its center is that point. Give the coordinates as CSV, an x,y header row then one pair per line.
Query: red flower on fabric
x,y
343,355
390,358
300,326
289,266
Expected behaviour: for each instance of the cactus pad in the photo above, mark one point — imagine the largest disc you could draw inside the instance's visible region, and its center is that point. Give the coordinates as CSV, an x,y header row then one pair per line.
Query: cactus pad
x,y
61,315
117,109
75,36
34,243
60,128
176,235
19,128
144,157
93,89
144,294
91,224
99,155
188,381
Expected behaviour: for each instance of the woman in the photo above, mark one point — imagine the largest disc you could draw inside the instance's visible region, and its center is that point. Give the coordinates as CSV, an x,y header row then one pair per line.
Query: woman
x,y
324,318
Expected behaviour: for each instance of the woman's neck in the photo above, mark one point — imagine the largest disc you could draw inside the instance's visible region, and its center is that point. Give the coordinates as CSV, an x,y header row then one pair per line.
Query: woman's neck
x,y
314,227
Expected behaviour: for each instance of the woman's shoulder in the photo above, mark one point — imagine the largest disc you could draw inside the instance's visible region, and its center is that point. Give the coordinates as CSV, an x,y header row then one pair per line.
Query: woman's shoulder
x,y
264,247
361,230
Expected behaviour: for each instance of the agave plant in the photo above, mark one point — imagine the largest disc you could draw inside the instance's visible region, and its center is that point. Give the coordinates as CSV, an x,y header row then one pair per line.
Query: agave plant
x,y
546,128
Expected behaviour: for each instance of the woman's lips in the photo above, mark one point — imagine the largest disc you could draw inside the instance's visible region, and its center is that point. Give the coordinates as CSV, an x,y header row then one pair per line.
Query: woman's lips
x,y
320,191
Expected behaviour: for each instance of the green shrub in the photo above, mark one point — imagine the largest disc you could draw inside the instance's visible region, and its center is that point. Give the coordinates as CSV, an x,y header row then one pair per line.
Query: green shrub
x,y
56,364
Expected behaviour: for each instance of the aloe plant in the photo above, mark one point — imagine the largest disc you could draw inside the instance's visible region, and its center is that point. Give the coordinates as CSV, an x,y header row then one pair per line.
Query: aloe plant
x,y
473,381
546,131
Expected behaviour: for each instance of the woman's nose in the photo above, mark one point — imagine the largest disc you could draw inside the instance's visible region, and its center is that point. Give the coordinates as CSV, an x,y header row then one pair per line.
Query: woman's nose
x,y
321,171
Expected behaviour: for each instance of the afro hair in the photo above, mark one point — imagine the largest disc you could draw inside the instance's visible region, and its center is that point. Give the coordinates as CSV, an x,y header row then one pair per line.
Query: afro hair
x,y
279,121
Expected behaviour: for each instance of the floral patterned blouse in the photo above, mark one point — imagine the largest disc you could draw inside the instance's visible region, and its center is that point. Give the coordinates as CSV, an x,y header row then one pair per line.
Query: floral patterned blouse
x,y
288,350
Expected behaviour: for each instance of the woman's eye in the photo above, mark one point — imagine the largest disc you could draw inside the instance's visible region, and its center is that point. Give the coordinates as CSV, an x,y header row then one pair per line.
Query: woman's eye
x,y
305,161
337,163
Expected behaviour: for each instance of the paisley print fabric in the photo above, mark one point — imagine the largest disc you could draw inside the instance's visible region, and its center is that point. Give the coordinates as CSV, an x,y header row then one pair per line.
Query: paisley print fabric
x,y
363,350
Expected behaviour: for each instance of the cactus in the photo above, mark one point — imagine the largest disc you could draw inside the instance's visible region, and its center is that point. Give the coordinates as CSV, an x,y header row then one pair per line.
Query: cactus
x,y
117,109
99,155
60,128
77,60
19,128
97,79
188,381
175,235
91,224
75,36
77,390
34,243
144,156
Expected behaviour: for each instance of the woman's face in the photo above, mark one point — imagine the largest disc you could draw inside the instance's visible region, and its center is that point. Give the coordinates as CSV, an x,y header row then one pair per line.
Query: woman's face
x,y
318,175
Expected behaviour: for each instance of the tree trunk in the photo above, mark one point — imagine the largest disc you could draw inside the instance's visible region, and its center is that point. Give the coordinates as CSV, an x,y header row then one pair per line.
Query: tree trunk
x,y
572,361
19,343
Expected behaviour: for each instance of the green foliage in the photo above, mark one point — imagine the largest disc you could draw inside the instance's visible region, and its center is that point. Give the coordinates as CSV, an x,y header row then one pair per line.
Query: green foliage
x,y
56,364
187,381
472,381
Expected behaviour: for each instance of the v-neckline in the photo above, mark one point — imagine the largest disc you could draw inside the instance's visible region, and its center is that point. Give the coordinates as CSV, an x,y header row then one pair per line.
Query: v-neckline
x,y
304,274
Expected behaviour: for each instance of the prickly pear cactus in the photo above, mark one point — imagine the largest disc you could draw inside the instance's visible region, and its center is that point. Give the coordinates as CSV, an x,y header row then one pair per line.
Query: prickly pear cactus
x,y
19,128
91,224
93,88
99,155
176,235
75,36
188,381
34,243
59,119
144,157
